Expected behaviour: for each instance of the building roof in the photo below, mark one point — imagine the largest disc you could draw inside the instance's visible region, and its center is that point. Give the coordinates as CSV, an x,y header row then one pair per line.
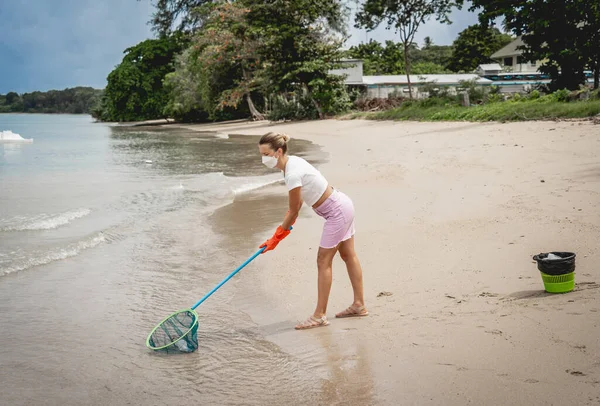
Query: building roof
x,y
451,79
510,49
489,66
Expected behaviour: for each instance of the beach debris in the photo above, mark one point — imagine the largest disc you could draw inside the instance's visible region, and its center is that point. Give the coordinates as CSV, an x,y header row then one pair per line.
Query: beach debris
x,y
450,297
542,181
487,294
380,294
148,161
575,373
495,332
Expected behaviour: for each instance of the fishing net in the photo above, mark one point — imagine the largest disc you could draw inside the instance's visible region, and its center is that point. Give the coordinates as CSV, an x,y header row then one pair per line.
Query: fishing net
x,y
178,333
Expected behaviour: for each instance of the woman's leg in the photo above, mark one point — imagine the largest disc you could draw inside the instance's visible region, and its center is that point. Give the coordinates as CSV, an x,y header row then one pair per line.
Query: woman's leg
x,y
324,263
348,254
324,266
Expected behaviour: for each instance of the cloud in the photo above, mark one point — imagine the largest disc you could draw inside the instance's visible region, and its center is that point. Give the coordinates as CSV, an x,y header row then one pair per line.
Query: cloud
x,y
57,44
54,44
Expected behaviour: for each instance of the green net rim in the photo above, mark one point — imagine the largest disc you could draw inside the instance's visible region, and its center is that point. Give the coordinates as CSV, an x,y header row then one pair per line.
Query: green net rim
x,y
165,319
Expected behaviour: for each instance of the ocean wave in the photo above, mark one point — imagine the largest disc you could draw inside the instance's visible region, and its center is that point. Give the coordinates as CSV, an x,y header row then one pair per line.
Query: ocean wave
x,y
218,185
249,187
9,136
43,221
51,256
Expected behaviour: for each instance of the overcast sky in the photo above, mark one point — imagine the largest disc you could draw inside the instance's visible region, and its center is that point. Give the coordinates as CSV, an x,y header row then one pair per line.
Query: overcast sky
x,y
55,44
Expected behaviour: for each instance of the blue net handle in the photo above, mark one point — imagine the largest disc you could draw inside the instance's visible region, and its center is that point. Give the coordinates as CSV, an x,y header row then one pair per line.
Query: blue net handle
x,y
199,302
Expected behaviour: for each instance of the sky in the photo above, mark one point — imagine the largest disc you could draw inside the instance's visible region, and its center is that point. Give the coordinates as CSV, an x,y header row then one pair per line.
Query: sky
x,y
55,44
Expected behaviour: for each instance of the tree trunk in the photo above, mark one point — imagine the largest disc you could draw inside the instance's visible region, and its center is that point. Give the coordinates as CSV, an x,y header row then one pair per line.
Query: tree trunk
x,y
314,102
597,73
256,115
407,68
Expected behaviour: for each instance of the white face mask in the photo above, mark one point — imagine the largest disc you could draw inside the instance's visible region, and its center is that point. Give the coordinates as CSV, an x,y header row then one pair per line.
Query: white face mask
x,y
269,161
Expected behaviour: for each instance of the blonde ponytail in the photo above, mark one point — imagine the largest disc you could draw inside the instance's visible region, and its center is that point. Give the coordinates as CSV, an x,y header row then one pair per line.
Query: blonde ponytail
x,y
275,141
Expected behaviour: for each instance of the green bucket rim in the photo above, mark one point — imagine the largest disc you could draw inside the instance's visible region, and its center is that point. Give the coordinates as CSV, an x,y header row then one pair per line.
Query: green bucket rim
x,y
165,319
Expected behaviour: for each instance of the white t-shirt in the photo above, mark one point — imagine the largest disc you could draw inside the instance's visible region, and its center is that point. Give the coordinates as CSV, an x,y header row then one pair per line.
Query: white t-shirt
x,y
298,172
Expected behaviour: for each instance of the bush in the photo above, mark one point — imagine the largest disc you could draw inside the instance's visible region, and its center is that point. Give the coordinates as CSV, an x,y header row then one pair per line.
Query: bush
x,y
534,95
494,89
476,93
292,107
561,95
495,98
522,111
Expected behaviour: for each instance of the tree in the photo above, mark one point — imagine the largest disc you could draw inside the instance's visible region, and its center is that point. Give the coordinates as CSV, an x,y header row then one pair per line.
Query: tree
x,y
301,44
405,16
168,12
77,100
474,45
228,43
427,68
11,97
135,87
591,29
554,31
427,43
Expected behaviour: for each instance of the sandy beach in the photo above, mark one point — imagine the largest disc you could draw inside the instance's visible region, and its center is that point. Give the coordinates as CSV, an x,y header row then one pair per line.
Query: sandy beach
x,y
449,216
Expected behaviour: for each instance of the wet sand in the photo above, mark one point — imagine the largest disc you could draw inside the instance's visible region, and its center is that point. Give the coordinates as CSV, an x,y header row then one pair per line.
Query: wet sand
x,y
448,218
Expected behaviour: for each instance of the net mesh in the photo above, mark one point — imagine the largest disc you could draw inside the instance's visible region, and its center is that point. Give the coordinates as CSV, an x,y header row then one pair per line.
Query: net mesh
x,y
179,332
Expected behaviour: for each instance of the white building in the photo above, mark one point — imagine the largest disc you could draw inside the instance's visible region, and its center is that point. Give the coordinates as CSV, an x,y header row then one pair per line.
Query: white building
x,y
511,59
353,68
488,69
385,85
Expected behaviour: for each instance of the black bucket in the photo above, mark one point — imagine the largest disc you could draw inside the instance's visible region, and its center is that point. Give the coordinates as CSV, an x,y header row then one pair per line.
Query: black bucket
x,y
564,265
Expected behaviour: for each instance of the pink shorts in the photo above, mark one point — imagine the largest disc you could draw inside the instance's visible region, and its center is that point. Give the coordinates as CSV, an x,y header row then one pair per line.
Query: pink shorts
x,y
338,212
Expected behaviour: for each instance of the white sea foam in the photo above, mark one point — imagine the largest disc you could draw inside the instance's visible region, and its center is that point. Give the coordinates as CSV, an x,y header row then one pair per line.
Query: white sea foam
x,y
56,255
43,221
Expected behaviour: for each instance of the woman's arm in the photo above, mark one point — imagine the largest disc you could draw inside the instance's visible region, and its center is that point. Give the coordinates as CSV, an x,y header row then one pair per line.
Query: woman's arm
x,y
295,198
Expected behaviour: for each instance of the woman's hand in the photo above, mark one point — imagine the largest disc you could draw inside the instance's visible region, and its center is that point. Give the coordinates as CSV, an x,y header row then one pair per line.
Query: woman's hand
x,y
272,242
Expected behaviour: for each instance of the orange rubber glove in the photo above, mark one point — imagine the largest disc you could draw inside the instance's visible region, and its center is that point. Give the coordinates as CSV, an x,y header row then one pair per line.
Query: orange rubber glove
x,y
272,242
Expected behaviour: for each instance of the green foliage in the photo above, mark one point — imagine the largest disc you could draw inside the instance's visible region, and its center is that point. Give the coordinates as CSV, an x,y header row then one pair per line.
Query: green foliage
x,y
494,98
77,100
563,34
534,95
474,45
182,86
426,68
250,49
292,107
135,87
561,95
476,92
379,59
522,111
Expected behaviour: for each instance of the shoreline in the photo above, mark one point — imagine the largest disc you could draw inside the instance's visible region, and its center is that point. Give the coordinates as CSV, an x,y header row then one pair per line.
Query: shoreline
x,y
448,217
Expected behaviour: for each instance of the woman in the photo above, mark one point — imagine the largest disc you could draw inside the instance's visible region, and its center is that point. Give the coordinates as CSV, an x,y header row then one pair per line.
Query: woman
x,y
305,183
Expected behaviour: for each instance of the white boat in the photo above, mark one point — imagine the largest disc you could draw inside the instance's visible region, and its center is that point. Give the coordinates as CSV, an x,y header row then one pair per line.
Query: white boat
x,y
9,136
